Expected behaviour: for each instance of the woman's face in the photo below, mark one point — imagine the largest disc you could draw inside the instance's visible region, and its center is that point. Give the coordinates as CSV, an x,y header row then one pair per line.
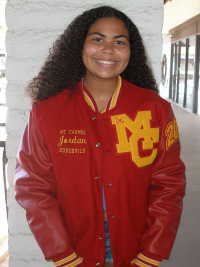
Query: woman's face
x,y
106,50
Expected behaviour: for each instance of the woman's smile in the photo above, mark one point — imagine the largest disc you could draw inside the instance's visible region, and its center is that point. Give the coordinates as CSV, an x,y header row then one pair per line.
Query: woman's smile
x,y
106,62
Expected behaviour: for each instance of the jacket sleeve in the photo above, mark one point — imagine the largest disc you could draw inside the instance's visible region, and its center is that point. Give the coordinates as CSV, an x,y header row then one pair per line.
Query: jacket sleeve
x,y
165,200
35,189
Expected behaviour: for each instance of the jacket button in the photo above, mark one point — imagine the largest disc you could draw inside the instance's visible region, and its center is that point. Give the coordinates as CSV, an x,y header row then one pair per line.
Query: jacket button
x,y
94,118
100,238
98,144
110,185
113,217
96,177
98,263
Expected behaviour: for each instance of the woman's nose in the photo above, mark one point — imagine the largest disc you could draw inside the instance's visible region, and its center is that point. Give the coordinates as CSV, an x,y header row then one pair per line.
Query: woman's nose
x,y
108,47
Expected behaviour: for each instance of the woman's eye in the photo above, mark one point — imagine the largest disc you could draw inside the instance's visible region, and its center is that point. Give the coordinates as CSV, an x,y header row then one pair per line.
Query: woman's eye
x,y
97,39
118,42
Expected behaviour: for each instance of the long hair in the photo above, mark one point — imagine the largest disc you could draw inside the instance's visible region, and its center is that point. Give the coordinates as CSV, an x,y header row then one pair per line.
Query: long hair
x,y
64,66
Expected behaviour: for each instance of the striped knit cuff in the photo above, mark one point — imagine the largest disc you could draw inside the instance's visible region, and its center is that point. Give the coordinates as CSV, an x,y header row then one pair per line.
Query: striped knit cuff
x,y
70,261
144,261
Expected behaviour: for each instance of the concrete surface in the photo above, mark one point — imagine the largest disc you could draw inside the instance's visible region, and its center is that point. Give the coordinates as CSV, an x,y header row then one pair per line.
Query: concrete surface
x,y
186,250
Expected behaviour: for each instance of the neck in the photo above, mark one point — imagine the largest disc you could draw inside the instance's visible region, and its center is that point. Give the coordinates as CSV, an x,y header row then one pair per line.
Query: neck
x,y
101,89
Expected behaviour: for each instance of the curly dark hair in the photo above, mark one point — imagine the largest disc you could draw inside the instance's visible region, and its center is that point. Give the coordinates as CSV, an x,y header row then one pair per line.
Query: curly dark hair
x,y
64,65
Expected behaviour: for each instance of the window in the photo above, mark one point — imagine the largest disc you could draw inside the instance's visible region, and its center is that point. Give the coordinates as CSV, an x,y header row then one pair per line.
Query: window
x,y
190,75
184,87
182,72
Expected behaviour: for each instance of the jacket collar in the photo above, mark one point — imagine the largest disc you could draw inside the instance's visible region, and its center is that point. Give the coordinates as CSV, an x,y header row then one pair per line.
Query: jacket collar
x,y
112,102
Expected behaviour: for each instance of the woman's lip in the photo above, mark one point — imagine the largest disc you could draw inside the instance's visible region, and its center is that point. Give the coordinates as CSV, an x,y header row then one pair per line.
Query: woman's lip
x,y
106,62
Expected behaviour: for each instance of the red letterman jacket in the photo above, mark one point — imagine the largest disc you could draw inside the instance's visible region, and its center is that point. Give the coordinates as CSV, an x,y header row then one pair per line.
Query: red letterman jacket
x,y
69,150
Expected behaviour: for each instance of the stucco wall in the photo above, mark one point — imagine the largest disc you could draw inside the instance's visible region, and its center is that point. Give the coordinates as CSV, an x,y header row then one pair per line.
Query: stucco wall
x,y
33,25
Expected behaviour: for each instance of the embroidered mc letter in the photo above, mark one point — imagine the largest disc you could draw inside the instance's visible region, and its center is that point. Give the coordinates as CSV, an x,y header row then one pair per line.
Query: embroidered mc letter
x,y
140,129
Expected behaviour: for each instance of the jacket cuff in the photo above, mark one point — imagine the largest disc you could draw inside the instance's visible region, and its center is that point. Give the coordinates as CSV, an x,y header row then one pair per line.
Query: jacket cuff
x,y
145,259
69,259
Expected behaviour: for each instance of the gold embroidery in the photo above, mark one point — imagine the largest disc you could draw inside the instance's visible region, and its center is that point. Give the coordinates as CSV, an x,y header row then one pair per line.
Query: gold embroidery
x,y
72,150
81,132
140,129
171,133
74,140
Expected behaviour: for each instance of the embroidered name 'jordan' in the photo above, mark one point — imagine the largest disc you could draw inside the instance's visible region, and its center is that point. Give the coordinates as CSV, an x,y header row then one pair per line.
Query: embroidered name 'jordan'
x,y
140,129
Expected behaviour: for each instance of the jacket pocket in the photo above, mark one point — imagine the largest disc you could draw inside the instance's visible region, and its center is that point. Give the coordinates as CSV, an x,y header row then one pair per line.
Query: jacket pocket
x,y
133,261
129,262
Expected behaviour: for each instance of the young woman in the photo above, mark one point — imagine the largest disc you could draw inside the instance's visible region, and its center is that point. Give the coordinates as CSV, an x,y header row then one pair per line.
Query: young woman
x,y
99,171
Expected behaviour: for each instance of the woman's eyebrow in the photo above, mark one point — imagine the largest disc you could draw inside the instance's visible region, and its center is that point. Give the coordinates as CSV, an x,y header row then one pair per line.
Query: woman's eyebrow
x,y
98,33
103,35
119,36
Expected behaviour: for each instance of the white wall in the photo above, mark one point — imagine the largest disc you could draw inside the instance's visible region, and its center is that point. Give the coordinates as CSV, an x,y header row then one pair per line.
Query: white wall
x,y
33,25
2,24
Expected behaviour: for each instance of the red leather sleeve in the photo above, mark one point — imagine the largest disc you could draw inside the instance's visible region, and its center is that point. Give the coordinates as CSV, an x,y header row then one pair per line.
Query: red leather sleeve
x,y
167,189
35,188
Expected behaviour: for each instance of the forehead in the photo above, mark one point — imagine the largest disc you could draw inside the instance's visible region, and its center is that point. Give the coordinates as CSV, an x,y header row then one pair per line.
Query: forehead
x,y
111,26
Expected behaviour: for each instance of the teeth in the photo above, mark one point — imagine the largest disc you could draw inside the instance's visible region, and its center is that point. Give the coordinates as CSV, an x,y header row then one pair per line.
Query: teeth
x,y
105,62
